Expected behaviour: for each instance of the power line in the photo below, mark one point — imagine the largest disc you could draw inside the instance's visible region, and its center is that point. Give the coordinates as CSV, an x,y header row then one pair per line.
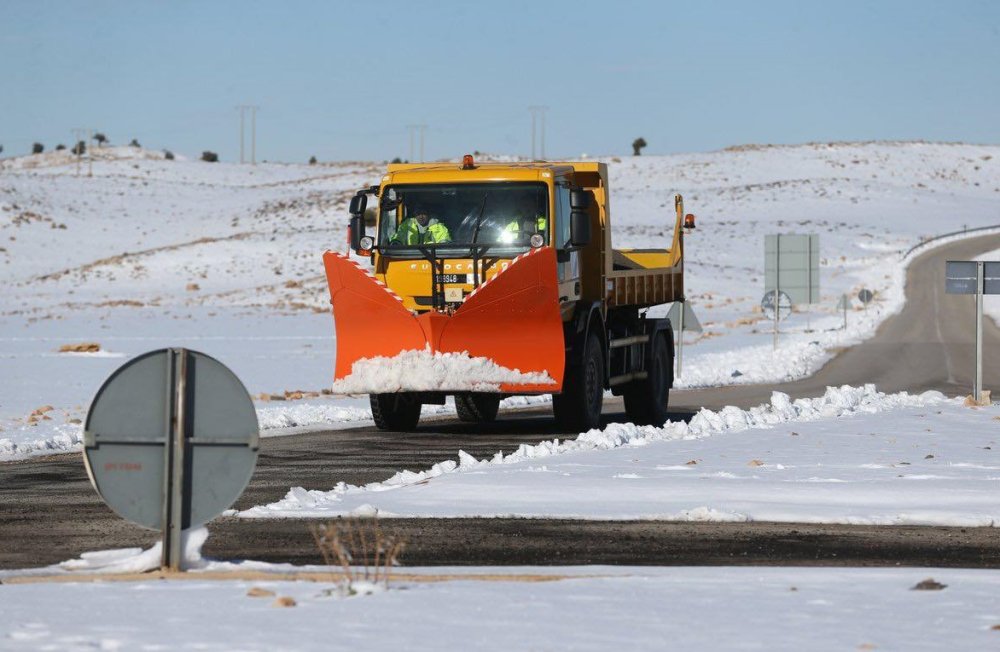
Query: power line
x,y
536,112
413,129
78,146
243,108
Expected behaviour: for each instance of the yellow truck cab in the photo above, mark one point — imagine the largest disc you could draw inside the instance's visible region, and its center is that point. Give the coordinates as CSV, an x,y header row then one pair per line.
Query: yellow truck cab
x,y
512,262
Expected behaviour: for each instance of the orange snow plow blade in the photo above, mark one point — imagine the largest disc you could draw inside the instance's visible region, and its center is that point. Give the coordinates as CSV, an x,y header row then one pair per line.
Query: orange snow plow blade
x,y
513,320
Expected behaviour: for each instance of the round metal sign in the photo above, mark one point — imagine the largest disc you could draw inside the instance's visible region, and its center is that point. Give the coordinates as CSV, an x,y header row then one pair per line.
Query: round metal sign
x,y
784,305
865,296
171,432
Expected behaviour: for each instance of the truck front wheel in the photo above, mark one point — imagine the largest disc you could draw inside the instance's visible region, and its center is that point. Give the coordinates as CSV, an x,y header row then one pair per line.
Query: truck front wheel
x,y
395,411
646,400
477,408
578,408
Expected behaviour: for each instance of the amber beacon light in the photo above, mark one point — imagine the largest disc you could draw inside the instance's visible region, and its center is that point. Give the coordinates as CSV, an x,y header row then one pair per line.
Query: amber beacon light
x,y
467,162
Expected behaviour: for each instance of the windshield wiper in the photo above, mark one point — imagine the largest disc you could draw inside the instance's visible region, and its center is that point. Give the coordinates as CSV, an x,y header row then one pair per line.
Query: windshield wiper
x,y
474,250
479,218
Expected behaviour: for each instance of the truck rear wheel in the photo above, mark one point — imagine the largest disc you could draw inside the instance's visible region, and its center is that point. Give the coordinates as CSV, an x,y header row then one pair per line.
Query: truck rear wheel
x,y
395,411
475,407
578,408
646,400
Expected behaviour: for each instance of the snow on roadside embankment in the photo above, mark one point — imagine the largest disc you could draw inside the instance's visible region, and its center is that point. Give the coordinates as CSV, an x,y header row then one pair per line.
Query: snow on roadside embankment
x,y
711,608
854,455
43,439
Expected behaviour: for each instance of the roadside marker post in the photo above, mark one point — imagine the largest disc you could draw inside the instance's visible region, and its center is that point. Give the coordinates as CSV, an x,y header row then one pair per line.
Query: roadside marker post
x,y
844,304
170,442
979,278
774,304
682,319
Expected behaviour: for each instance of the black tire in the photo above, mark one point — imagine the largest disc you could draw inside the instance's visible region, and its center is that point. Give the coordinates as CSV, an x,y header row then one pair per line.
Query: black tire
x,y
646,400
578,408
395,411
474,407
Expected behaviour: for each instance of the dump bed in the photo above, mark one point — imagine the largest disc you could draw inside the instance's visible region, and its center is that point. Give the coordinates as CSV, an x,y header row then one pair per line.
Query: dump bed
x,y
628,277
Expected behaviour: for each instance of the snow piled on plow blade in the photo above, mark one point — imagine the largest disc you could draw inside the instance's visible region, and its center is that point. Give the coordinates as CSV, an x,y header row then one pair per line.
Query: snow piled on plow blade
x,y
430,371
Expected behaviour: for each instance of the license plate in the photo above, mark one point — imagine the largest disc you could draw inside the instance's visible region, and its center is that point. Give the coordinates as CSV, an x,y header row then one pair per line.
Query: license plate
x,y
452,278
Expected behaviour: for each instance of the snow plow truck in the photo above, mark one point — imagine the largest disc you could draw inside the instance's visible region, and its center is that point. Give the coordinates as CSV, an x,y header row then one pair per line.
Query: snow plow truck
x,y
506,267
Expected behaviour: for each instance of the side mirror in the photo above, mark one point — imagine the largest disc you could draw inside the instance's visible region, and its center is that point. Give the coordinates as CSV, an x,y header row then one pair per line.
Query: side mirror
x,y
579,228
359,203
579,200
357,228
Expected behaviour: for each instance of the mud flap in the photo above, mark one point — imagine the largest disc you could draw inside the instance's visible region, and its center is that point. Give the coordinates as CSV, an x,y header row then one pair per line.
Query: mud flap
x,y
513,319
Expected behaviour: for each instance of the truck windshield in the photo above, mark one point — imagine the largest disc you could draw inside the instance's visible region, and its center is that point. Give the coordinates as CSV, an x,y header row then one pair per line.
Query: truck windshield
x,y
502,215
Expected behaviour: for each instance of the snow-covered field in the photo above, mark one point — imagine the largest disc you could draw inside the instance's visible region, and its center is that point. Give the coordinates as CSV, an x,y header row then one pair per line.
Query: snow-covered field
x,y
591,608
853,456
226,259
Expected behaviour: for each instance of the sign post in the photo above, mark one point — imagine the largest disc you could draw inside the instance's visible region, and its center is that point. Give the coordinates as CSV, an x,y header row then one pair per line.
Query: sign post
x,y
844,304
791,268
978,278
865,296
170,441
682,320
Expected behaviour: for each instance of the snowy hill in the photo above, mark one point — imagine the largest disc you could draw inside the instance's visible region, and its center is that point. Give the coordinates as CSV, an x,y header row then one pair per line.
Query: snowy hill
x,y
226,259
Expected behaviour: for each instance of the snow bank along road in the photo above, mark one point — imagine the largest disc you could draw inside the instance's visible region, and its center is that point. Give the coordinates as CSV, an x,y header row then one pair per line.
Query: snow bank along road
x,y
48,512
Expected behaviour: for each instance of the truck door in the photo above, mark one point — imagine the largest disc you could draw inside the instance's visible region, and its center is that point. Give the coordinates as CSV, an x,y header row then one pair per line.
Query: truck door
x,y
569,271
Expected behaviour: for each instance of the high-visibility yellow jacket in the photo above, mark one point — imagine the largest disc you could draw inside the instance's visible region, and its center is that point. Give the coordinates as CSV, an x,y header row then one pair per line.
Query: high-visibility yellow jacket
x,y
514,226
409,233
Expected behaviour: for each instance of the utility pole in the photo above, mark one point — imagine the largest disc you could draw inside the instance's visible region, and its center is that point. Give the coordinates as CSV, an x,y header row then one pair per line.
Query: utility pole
x,y
537,111
422,128
412,130
243,108
90,152
77,139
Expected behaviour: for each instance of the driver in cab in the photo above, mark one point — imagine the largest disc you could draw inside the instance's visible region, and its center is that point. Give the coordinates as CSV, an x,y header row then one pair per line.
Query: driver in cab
x,y
420,228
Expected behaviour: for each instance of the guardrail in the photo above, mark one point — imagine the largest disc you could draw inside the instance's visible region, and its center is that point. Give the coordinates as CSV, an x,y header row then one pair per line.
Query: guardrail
x,y
924,243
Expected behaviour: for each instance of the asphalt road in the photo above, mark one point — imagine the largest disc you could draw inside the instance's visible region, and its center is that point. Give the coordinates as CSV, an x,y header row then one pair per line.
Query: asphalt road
x,y
49,512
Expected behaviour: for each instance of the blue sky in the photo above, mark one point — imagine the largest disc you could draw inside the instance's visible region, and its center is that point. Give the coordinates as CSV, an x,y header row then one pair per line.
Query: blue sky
x,y
341,80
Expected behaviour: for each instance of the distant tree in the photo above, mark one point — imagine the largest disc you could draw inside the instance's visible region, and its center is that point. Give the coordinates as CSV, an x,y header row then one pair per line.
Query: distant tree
x,y
79,148
1,148
100,138
37,148
312,160
637,146
134,143
60,147
167,154
396,160
209,157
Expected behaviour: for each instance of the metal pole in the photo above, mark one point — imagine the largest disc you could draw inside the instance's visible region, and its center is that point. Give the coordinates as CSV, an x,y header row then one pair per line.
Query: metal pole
x,y
77,139
543,134
253,135
777,284
90,152
534,116
242,114
422,129
174,522
977,388
411,129
680,339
